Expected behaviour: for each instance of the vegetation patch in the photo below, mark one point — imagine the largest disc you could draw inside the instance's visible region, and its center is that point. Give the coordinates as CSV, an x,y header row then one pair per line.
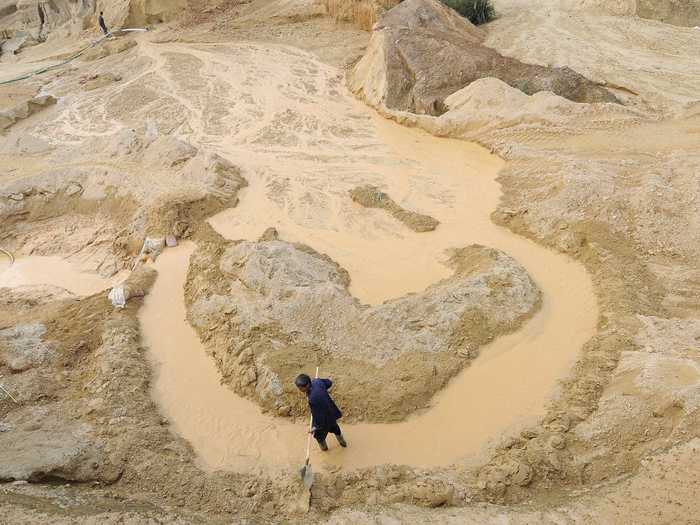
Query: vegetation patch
x,y
476,11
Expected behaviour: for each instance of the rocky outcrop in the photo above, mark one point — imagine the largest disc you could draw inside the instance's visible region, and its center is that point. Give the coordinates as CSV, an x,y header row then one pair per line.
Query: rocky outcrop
x,y
108,48
38,19
269,309
24,110
149,12
422,51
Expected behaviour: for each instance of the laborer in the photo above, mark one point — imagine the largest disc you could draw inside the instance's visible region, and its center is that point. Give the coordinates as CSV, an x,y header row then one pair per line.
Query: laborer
x,y
103,26
323,409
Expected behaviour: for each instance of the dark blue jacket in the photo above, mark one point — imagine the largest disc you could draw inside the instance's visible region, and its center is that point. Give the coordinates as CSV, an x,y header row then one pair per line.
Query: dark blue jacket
x,y
323,409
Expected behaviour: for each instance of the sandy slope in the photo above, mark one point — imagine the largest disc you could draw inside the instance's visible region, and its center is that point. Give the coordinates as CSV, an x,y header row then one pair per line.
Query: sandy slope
x,y
655,64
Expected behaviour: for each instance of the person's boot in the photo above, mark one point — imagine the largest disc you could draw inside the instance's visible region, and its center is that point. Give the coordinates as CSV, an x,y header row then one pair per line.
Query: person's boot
x,y
341,440
323,445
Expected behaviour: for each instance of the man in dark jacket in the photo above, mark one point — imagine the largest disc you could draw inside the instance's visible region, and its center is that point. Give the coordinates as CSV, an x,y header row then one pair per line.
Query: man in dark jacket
x,y
324,411
103,26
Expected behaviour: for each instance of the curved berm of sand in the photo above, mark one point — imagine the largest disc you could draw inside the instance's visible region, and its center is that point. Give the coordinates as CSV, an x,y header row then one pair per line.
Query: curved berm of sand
x,y
288,308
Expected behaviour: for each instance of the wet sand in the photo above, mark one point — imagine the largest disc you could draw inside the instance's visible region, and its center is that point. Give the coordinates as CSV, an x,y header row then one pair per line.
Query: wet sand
x,y
508,385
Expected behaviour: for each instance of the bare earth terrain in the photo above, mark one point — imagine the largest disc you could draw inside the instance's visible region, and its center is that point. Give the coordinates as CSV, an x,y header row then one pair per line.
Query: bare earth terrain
x,y
488,237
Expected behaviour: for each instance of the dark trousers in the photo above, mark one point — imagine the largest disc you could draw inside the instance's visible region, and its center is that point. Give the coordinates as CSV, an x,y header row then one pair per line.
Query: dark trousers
x,y
321,433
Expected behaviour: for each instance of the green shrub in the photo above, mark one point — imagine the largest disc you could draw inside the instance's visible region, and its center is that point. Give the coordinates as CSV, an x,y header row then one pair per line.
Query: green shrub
x,y
477,11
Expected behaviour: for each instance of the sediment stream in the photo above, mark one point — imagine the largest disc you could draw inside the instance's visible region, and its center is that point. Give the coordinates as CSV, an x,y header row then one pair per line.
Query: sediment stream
x,y
507,386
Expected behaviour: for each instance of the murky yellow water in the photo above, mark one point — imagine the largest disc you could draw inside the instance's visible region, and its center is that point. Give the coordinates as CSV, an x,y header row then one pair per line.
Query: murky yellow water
x,y
507,385
54,271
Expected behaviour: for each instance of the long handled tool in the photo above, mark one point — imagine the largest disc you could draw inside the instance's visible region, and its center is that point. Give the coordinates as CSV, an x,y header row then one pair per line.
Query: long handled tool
x,y
307,475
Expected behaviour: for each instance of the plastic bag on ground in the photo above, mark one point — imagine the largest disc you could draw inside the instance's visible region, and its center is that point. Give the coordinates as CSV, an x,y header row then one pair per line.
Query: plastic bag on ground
x,y
118,296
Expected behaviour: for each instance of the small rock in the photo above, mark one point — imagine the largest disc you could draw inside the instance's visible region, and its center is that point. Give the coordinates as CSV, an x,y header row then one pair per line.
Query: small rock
x,y
249,377
73,189
523,476
557,441
529,434
270,234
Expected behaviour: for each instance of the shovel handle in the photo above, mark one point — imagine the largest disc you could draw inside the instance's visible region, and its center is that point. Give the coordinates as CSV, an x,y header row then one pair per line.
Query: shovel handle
x,y
311,426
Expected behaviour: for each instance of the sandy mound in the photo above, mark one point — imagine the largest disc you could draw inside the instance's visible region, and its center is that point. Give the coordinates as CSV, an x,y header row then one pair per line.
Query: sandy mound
x,y
489,110
108,48
422,51
287,307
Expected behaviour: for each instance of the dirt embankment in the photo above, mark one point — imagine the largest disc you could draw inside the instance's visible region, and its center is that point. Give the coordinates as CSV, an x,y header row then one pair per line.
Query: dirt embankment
x,y
34,21
362,13
287,308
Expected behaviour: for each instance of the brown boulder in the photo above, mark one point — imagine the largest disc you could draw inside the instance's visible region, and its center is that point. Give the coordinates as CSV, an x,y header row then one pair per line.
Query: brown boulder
x,y
423,51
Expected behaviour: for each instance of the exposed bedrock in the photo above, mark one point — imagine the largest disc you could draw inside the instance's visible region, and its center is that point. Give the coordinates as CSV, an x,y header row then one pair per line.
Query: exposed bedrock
x,y
36,20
